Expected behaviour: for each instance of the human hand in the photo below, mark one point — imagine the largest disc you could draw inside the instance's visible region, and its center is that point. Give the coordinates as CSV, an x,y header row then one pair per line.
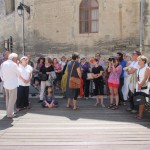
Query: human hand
x,y
139,86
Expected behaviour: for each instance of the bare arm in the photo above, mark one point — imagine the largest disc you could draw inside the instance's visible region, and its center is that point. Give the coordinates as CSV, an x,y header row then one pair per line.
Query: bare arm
x,y
30,77
114,69
79,72
146,76
132,70
109,67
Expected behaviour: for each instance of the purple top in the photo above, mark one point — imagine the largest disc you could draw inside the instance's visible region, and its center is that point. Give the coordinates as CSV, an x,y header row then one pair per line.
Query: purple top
x,y
2,60
85,68
114,77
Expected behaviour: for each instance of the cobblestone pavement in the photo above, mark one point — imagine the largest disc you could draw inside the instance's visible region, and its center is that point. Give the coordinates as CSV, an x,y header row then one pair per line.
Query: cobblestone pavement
x,y
89,128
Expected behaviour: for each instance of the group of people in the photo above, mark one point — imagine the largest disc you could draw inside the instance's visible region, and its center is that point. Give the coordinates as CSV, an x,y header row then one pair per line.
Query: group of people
x,y
122,77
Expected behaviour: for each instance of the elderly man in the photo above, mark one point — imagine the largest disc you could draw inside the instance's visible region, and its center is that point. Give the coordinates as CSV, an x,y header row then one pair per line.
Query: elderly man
x,y
3,59
10,74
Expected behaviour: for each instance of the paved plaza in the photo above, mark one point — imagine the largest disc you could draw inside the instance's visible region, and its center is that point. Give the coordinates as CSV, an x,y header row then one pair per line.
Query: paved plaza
x,y
89,128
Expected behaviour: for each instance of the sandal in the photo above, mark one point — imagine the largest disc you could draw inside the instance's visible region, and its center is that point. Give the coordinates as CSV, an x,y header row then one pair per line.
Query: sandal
x,y
76,108
70,106
139,118
136,116
114,108
110,106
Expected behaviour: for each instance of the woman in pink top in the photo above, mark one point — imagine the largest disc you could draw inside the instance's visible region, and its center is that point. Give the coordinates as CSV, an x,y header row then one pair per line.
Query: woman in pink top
x,y
113,81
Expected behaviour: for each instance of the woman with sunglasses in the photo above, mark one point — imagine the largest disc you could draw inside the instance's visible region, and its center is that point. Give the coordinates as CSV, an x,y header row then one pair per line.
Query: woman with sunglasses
x,y
113,81
24,83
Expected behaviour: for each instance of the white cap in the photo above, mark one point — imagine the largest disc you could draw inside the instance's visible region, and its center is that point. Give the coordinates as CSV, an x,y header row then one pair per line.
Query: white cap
x,y
12,55
24,57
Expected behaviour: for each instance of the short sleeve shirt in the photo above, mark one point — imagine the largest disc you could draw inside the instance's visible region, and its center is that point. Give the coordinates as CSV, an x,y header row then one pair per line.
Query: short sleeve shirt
x,y
74,71
97,71
25,73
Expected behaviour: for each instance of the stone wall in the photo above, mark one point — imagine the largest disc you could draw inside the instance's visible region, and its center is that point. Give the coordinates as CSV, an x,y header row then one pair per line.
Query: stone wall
x,y
7,25
53,27
59,30
146,33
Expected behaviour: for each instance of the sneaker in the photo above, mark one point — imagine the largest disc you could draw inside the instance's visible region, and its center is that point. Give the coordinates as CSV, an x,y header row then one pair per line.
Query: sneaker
x,y
103,106
86,98
134,111
128,109
13,116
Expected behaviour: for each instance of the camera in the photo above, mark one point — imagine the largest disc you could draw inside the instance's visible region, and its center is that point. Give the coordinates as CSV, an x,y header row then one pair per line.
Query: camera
x,y
111,59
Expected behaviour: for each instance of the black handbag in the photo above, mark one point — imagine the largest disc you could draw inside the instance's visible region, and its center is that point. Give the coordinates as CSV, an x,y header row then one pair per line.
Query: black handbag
x,y
139,98
43,77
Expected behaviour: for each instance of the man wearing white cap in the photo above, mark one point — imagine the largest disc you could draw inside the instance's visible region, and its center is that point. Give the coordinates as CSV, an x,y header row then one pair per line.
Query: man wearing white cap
x,y
10,74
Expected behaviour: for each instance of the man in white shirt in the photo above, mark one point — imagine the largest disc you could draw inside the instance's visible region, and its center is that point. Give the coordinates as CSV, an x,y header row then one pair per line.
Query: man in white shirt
x,y
10,74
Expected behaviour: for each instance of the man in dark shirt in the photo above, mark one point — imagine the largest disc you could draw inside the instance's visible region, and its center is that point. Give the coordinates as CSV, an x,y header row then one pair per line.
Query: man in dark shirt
x,y
123,63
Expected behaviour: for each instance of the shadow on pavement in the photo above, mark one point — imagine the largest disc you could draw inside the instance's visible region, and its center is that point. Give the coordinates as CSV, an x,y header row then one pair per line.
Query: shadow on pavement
x,y
86,111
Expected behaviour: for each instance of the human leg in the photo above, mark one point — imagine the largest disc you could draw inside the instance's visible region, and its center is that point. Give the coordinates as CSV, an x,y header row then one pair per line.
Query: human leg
x,y
43,85
26,96
69,103
12,101
75,99
141,111
116,96
97,93
87,87
111,96
121,99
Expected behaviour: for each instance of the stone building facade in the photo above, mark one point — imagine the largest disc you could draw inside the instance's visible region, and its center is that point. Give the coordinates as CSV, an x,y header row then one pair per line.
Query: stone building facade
x,y
53,26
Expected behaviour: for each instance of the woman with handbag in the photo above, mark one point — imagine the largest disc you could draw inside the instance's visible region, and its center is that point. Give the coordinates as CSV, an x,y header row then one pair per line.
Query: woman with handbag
x,y
143,74
45,72
36,80
73,81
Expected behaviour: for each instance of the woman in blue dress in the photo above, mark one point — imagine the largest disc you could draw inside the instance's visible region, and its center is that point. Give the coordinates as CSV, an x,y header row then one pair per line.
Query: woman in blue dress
x,y
72,94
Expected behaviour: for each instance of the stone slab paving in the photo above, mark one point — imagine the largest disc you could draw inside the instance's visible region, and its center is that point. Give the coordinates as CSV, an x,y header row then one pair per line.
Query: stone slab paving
x,y
89,128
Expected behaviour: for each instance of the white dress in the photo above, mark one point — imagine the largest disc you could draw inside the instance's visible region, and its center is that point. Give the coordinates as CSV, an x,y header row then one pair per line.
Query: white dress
x,y
140,75
125,88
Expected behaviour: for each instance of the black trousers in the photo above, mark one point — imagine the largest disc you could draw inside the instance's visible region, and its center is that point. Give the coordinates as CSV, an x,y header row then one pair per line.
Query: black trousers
x,y
22,97
132,105
120,90
86,87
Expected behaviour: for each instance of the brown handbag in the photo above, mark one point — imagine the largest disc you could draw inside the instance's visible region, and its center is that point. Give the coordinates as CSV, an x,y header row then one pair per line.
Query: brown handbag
x,y
74,82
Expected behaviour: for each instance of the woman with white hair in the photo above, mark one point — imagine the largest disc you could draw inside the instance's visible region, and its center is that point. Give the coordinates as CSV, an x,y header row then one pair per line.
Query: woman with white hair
x,y
24,83
143,74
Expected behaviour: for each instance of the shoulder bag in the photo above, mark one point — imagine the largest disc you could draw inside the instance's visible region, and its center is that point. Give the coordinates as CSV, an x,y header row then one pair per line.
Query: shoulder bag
x,y
74,82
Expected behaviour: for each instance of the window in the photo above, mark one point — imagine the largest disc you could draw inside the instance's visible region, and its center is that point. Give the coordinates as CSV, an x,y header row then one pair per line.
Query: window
x,y
9,6
89,16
